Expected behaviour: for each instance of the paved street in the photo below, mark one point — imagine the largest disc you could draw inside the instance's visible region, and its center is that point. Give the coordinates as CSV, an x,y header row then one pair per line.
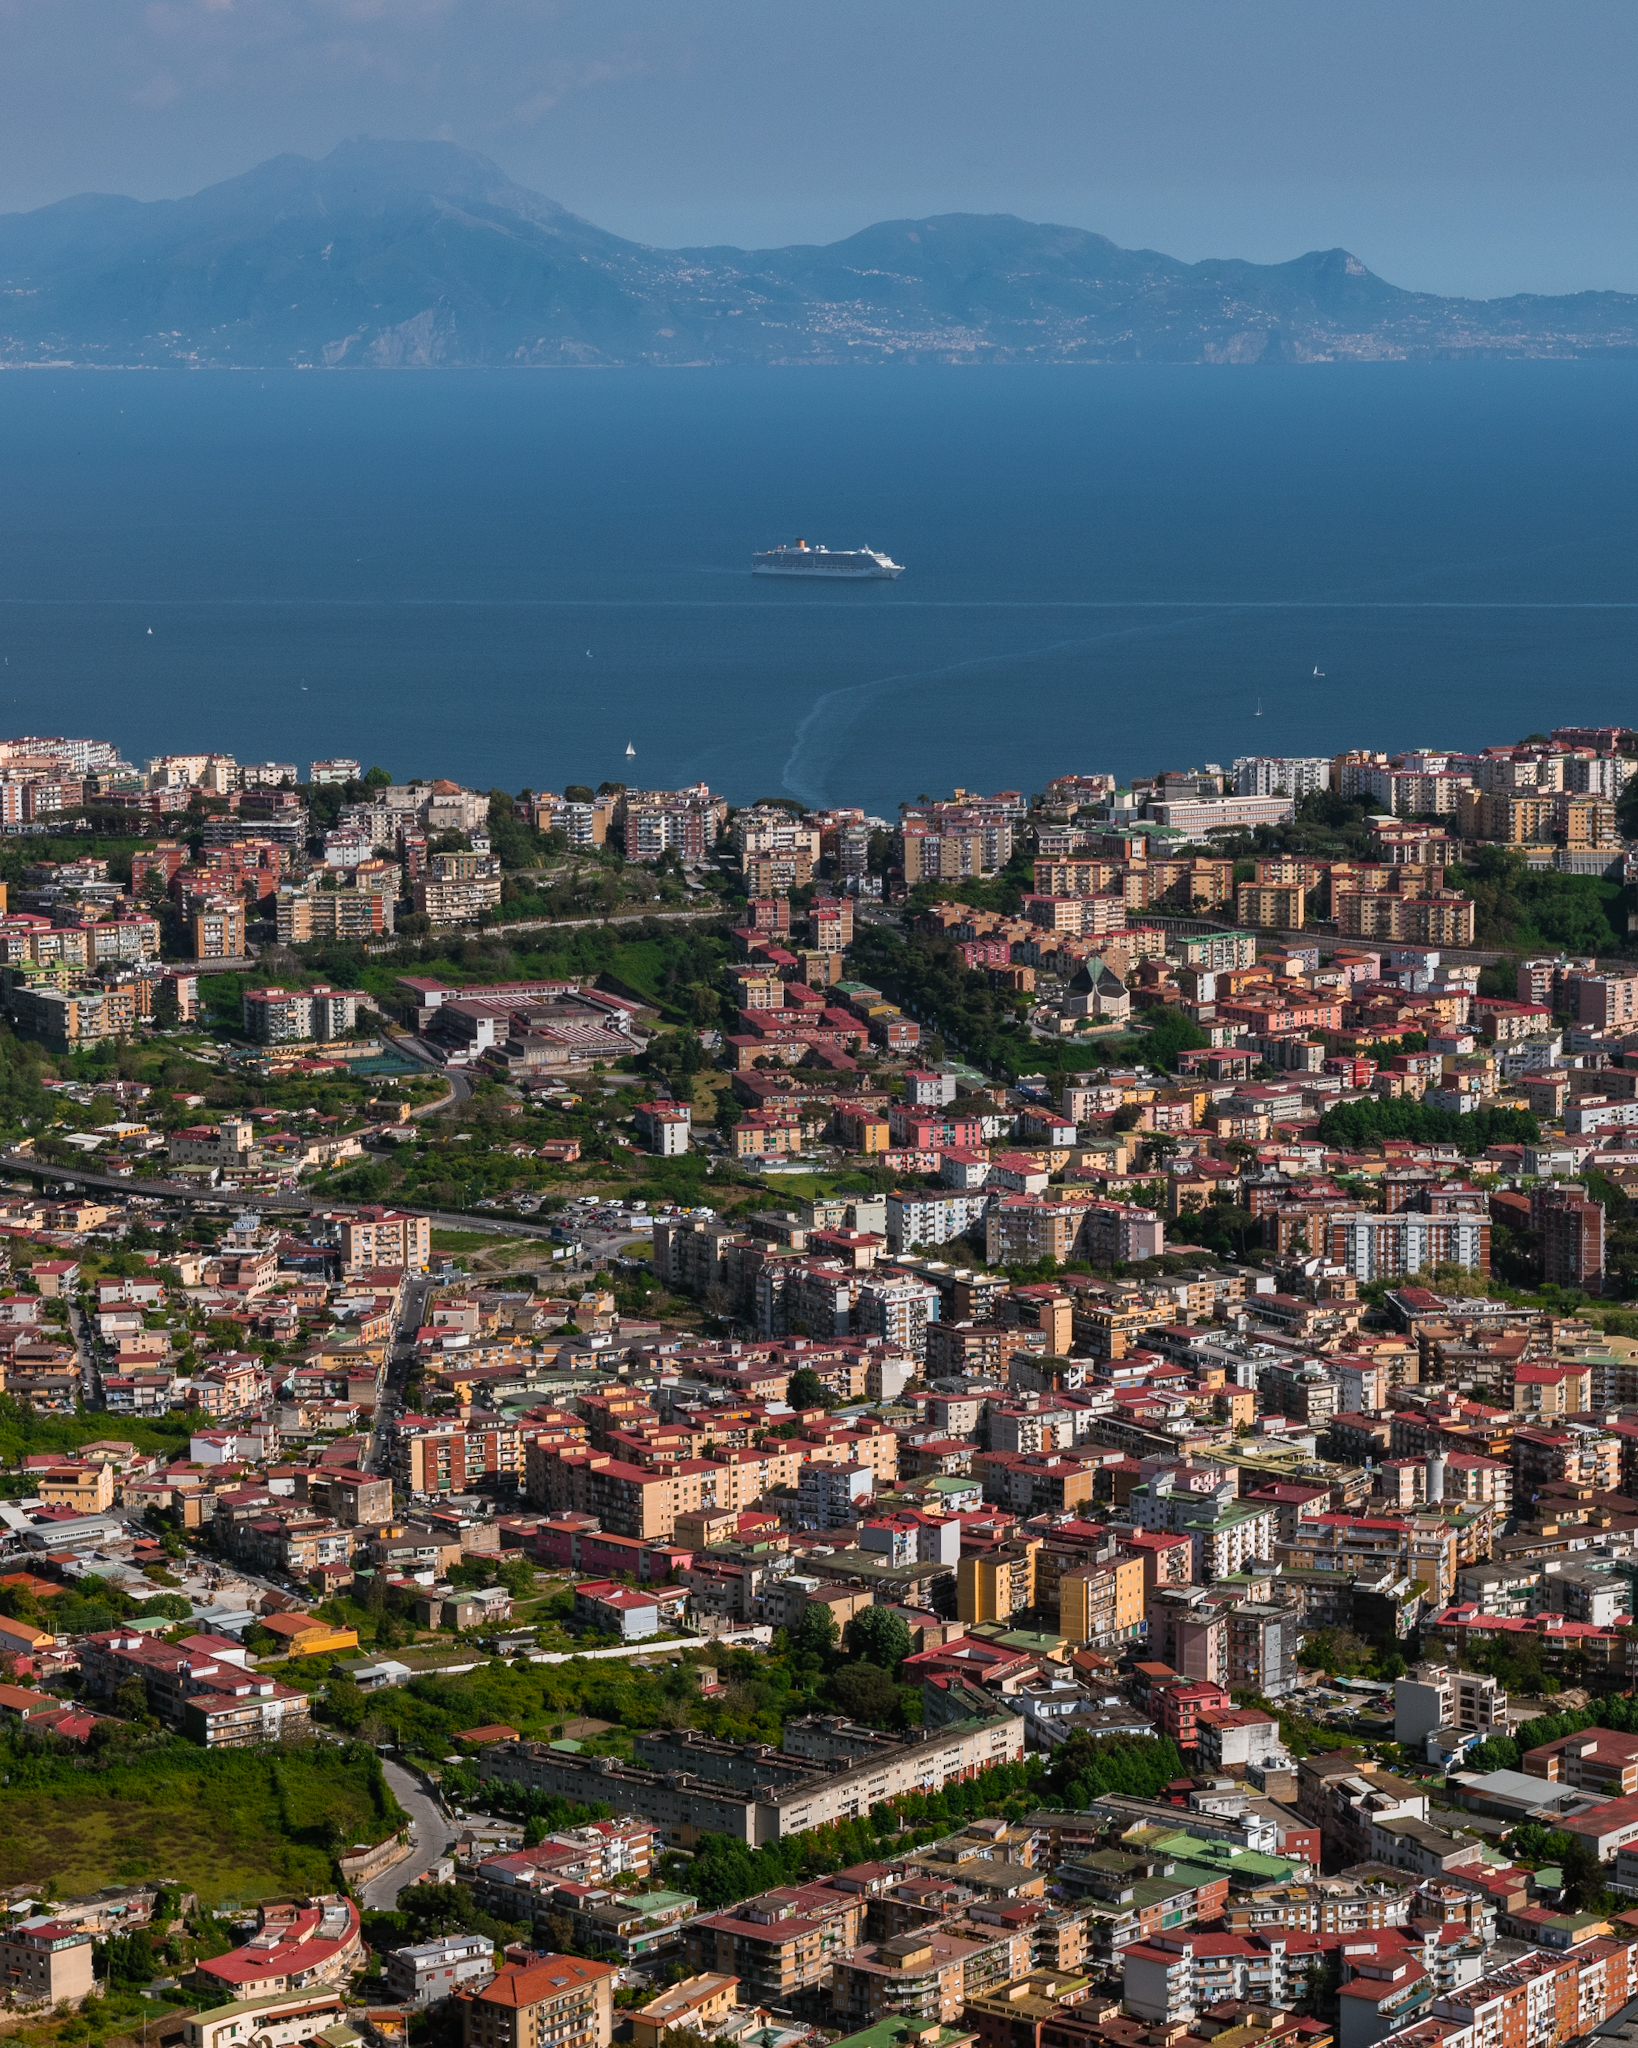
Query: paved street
x,y
433,1836
378,1457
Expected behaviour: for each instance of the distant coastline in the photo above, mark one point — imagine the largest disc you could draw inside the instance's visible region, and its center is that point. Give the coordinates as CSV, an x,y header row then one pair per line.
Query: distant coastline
x,y
418,255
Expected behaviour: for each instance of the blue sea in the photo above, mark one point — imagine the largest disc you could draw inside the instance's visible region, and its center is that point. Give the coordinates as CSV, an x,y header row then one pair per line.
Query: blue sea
x,y
509,577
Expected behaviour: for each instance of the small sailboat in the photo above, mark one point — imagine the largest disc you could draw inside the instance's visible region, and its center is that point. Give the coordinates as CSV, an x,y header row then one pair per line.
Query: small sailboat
x,y
631,751
1259,711
1320,673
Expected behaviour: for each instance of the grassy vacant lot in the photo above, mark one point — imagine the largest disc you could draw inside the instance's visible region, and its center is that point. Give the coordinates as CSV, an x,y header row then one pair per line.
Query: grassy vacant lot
x,y
24,1432
233,1826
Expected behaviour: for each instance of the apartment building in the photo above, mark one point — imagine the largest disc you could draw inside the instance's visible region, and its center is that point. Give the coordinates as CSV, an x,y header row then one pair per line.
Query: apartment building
x,y
1277,775
1102,1603
896,1311
218,930
664,1127
1440,918
1540,1998
281,1016
1604,1001
1596,1760
920,1976
995,1585
280,2020
1438,1696
778,1944
686,822
832,1496
1572,1239
63,1019
1225,1532
385,1238
582,818
554,2002
211,1698
1377,1247
458,888
827,1769
1170,1977
437,1455
428,1971
1022,1229
47,1962
304,914
952,851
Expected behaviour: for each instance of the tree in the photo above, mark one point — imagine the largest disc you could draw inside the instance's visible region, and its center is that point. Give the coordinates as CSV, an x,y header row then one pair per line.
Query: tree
x,y
1583,1876
879,1636
344,1704
129,1699
1170,1032
816,1631
130,1958
865,1693
808,1390
1083,1767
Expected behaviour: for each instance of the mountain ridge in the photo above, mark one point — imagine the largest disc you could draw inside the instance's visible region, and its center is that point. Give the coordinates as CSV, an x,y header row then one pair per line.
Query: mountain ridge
x,y
423,254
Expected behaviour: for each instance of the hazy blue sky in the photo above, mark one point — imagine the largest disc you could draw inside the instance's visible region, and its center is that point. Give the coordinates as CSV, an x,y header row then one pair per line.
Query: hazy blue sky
x,y
1479,146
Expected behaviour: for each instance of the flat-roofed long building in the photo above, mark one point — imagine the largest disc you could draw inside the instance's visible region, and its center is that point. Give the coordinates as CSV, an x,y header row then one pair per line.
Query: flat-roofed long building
x,y
828,1769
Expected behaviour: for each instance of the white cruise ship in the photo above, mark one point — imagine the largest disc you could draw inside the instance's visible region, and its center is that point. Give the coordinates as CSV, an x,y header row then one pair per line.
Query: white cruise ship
x,y
798,558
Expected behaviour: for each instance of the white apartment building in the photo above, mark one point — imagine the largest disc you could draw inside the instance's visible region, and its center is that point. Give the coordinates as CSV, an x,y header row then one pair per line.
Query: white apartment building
x,y
1436,1697
1375,1247
897,1311
829,1496
1276,775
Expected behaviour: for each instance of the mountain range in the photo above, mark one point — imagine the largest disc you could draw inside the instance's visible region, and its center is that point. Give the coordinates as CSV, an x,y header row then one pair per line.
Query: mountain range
x,y
421,254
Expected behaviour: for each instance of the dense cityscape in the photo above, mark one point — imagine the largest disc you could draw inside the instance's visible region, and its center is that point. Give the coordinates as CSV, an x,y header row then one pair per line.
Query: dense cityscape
x,y
631,1417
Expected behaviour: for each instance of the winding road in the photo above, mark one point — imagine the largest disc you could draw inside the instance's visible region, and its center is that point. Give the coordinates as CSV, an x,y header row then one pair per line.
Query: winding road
x,y
433,1835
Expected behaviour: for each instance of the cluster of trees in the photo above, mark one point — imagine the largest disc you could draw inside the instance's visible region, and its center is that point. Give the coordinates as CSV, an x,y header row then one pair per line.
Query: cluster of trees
x,y
1004,892
929,977
1343,1654
1169,1033
1503,1753
425,1911
808,1390
128,1961
1085,1767
1578,1863
1535,909
856,1674
89,1604
759,1692
1357,1125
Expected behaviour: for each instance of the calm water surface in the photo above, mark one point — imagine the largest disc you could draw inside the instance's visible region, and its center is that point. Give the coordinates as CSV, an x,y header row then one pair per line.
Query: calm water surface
x,y
508,577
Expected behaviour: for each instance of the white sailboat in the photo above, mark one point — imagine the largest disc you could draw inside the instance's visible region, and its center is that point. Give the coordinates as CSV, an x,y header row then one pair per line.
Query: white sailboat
x,y
1320,673
631,751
